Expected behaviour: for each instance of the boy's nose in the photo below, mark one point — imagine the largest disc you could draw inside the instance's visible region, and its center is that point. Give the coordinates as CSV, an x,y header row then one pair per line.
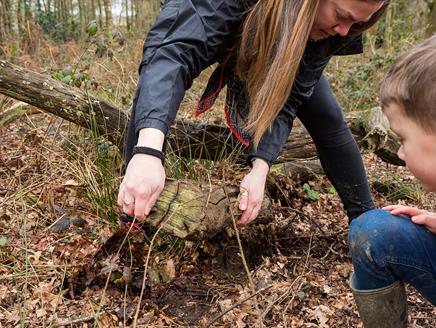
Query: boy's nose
x,y
400,153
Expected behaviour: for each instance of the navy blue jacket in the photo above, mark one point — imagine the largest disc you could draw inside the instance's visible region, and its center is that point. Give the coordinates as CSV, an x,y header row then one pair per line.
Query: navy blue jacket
x,y
190,35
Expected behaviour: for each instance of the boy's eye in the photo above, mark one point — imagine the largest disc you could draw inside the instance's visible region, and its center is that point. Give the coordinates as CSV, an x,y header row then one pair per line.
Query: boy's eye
x,y
397,137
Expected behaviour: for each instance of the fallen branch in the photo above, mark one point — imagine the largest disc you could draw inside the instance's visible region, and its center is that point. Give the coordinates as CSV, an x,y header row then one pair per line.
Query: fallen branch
x,y
52,96
185,139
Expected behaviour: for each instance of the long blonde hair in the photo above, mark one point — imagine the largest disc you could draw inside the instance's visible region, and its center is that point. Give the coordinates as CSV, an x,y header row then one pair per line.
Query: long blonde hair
x,y
273,40
274,36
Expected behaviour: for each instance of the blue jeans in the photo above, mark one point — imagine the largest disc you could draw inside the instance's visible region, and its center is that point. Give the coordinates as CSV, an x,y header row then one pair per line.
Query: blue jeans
x,y
386,248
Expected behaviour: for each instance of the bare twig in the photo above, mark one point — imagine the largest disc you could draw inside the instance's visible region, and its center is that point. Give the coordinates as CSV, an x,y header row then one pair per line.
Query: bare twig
x,y
301,283
109,274
241,250
74,322
281,298
144,279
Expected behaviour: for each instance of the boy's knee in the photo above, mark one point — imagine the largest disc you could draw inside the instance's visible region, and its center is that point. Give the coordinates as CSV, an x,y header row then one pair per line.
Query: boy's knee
x,y
376,234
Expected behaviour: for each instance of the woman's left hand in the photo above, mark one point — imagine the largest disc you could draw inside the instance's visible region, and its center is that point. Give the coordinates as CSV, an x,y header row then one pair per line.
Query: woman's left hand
x,y
252,191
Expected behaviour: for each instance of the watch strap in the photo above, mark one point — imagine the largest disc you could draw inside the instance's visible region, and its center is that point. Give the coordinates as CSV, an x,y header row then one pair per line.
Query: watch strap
x,y
149,151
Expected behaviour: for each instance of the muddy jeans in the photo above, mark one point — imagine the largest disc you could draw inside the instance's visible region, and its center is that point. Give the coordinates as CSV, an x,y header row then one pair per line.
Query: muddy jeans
x,y
386,248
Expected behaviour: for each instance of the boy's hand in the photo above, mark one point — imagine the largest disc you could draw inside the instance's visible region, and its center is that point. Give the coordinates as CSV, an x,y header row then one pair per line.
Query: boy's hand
x,y
417,216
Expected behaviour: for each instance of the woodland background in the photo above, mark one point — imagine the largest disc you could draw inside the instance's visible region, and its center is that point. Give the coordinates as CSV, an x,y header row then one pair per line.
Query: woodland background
x,y
59,181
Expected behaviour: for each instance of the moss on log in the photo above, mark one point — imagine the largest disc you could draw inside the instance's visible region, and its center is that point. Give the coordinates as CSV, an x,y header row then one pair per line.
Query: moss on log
x,y
193,211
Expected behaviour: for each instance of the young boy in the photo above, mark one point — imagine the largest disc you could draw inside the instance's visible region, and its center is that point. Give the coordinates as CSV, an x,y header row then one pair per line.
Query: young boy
x,y
398,244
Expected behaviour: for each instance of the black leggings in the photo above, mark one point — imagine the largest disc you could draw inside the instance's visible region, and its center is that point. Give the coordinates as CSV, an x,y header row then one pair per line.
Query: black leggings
x,y
339,154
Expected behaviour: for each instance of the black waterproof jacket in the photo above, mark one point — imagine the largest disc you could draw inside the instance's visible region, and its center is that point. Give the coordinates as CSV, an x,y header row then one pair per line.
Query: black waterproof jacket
x,y
190,35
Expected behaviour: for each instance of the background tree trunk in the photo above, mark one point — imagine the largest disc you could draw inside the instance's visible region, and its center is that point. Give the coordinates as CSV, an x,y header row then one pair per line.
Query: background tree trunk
x,y
133,17
82,16
93,10
28,9
126,8
2,21
20,25
432,18
47,5
100,13
108,13
7,20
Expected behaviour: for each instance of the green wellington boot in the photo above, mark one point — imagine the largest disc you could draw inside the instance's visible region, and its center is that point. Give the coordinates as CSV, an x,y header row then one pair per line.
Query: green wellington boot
x,y
381,308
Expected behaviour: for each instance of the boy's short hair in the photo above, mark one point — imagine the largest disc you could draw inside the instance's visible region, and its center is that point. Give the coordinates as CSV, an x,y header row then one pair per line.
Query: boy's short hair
x,y
411,84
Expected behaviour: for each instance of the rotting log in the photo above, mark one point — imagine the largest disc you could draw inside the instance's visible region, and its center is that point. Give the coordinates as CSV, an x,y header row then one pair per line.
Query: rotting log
x,y
194,211
372,132
186,139
299,171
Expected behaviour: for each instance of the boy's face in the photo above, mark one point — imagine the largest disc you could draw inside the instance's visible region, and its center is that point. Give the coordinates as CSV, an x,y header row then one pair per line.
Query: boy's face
x,y
418,147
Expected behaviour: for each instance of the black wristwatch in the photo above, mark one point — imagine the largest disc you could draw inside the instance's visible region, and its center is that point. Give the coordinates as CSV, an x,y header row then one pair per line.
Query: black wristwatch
x,y
149,151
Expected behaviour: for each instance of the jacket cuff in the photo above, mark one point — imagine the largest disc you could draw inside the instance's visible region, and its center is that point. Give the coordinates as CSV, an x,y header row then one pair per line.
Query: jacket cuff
x,y
151,123
266,156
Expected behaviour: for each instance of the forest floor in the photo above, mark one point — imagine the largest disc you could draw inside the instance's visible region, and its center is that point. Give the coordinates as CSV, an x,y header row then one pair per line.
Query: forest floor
x,y
299,263
301,260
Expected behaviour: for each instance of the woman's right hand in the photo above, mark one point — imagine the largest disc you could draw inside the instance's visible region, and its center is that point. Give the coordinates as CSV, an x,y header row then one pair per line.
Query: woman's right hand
x,y
142,184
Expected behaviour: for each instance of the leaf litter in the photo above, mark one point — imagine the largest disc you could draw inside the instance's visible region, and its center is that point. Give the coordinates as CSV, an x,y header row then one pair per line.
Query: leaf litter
x,y
92,272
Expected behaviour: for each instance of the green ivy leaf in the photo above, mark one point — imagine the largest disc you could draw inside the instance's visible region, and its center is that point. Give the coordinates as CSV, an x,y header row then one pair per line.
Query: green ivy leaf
x,y
78,83
57,75
312,194
67,79
91,29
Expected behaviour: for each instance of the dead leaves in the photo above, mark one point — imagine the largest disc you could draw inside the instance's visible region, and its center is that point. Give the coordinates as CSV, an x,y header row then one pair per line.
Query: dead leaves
x,y
121,251
186,286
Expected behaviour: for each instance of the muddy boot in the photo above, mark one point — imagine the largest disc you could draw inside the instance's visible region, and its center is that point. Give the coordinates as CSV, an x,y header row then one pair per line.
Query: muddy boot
x,y
383,307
